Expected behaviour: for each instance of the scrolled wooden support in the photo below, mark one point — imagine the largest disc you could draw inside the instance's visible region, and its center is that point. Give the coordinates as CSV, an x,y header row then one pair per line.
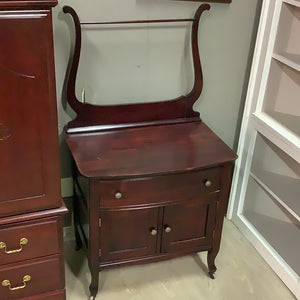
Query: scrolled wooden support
x,y
71,95
198,79
179,109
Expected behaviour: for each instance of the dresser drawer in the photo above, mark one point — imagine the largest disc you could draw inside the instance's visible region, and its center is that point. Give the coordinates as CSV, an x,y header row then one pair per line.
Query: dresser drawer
x,y
34,277
56,295
27,240
158,189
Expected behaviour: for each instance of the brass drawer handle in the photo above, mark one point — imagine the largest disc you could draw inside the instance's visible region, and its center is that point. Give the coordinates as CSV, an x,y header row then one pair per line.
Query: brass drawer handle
x,y
6,282
207,183
23,241
118,195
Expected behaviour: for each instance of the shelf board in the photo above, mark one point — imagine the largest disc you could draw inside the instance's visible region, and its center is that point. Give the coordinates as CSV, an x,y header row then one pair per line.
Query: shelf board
x,y
275,126
292,2
285,190
289,121
284,237
291,60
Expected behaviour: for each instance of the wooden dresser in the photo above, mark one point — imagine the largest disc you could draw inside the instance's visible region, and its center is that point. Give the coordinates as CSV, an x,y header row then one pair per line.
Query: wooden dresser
x,y
151,193
31,209
151,179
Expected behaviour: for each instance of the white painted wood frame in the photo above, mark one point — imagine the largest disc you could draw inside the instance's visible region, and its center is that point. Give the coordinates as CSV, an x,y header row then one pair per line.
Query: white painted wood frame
x,y
265,196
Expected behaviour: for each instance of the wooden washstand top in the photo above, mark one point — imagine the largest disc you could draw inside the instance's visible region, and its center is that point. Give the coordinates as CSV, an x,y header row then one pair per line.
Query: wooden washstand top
x,y
149,150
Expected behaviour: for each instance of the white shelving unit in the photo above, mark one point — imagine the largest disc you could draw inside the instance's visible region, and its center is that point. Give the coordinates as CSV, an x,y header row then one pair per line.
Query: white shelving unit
x,y
265,199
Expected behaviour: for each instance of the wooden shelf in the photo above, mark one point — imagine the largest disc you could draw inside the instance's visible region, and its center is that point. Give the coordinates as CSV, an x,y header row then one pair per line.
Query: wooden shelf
x,y
281,99
284,237
273,223
289,59
277,173
278,133
285,190
292,2
287,37
289,121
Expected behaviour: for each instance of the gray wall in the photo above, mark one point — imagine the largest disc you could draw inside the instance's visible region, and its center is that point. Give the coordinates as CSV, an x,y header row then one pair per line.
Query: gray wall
x,y
154,63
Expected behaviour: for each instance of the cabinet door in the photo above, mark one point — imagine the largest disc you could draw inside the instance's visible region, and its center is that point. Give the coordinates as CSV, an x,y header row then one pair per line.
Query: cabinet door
x,y
127,234
29,161
188,226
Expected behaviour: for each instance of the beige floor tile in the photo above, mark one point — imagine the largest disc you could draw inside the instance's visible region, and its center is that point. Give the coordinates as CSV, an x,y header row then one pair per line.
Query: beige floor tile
x,y
242,275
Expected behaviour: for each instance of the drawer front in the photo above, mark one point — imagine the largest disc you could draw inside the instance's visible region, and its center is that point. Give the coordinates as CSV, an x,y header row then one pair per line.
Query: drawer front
x,y
31,278
56,295
27,240
159,189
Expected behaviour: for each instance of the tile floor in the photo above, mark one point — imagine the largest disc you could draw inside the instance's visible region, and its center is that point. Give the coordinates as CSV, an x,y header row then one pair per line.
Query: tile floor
x,y
242,274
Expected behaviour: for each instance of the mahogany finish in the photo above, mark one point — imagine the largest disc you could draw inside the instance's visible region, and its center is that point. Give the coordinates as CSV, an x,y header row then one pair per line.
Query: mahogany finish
x,y
44,238
57,295
132,237
34,215
22,4
190,225
160,189
47,274
140,194
119,153
92,115
136,21
152,183
28,114
31,209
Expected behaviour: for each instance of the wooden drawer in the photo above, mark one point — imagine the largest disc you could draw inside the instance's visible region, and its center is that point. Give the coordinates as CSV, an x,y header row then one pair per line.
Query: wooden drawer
x,y
45,275
42,238
56,295
159,189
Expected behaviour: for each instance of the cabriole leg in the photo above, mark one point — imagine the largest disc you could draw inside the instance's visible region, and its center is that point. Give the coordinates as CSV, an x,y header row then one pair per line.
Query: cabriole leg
x,y
94,284
211,256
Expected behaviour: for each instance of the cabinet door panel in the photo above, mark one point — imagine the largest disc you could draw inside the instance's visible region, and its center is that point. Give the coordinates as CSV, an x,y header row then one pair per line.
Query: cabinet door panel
x,y
126,234
189,225
28,122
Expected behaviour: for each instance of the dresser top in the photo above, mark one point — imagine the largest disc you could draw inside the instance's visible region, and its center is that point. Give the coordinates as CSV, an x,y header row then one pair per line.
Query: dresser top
x,y
150,150
24,4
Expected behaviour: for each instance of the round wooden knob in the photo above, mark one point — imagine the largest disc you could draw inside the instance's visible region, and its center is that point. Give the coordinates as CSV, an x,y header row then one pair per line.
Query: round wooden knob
x,y
4,132
207,183
168,229
118,195
153,231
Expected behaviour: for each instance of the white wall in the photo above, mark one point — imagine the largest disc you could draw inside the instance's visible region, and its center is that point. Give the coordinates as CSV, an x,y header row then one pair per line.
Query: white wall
x,y
149,63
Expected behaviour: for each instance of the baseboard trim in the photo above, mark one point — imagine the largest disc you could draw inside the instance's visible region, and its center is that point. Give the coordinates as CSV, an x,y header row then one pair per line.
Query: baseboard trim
x,y
67,187
69,233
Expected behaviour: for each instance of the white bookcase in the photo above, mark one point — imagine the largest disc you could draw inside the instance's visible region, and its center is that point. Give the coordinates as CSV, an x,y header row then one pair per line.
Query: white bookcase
x,y
265,199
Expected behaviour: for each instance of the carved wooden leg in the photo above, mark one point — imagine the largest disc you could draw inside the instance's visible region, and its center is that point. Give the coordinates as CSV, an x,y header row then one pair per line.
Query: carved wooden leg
x,y
211,256
94,284
221,207
94,243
